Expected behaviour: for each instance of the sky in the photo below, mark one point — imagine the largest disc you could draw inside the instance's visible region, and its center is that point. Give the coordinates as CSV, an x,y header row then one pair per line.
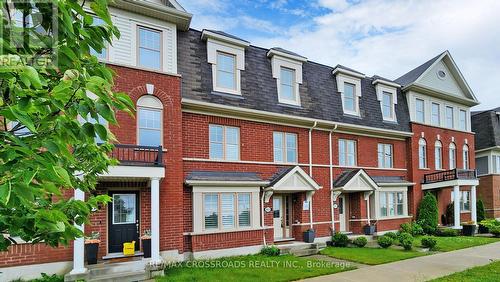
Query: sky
x,y
382,37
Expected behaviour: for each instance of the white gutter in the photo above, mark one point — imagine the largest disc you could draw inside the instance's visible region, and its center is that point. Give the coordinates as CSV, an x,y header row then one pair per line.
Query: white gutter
x,y
330,149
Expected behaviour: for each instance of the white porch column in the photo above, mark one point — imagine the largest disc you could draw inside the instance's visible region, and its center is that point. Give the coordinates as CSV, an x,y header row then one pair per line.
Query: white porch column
x,y
79,244
155,219
456,206
473,210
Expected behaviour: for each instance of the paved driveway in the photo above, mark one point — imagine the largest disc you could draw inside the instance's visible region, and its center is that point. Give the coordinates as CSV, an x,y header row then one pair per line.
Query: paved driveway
x,y
421,268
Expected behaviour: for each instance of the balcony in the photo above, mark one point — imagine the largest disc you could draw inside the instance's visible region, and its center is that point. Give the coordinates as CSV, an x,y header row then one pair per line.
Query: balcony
x,y
450,175
135,155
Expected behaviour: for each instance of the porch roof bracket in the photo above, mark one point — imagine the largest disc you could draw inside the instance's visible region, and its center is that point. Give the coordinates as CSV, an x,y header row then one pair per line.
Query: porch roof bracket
x,y
336,194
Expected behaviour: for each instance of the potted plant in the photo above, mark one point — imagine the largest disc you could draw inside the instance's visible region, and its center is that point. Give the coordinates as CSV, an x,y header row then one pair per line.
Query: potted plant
x,y
369,229
92,247
146,243
469,228
309,236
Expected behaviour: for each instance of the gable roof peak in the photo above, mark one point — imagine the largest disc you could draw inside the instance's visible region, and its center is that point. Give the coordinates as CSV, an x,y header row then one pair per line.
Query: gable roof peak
x,y
411,76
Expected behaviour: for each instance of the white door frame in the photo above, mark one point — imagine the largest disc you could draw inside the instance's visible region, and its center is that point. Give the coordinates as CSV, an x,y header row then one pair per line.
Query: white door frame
x,y
278,216
343,217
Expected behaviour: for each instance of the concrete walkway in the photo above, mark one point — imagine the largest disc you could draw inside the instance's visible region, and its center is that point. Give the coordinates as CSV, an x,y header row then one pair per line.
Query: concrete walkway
x,y
421,268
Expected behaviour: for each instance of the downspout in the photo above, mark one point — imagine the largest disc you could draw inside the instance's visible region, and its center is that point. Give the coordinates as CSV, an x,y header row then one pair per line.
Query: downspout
x,y
310,172
262,224
330,149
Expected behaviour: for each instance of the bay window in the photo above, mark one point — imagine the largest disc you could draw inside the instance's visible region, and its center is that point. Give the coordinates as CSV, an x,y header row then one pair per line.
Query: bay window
x,y
225,211
391,204
347,152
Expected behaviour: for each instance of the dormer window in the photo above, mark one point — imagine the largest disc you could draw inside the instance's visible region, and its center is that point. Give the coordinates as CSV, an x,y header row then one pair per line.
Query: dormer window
x,y
226,71
387,96
226,54
287,69
349,86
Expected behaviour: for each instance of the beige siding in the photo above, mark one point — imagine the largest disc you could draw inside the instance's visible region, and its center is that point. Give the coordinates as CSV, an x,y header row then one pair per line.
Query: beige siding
x,y
447,85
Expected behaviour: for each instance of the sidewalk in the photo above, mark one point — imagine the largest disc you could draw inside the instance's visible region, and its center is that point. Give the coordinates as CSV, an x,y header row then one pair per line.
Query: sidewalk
x,y
421,268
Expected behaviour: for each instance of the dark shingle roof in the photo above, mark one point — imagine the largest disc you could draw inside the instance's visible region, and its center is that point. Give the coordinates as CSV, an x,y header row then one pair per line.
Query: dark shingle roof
x,y
226,34
319,96
375,77
223,176
389,179
415,73
349,69
345,177
486,125
279,174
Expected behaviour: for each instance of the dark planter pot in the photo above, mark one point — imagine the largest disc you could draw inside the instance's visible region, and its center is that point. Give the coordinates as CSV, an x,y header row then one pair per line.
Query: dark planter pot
x,y
309,236
468,230
483,229
91,251
369,229
329,243
146,247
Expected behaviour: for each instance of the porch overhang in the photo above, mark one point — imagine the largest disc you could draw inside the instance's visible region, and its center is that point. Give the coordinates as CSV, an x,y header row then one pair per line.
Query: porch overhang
x,y
354,181
291,180
225,179
450,183
132,173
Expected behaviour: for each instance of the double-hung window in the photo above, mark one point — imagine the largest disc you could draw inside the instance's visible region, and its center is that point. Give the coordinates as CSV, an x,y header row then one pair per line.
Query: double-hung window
x,y
224,142
465,157
387,105
347,152
350,103
450,122
420,110
453,156
464,200
149,49
285,147
222,211
462,120
226,71
288,94
391,204
385,157
438,155
149,112
103,53
422,153
436,114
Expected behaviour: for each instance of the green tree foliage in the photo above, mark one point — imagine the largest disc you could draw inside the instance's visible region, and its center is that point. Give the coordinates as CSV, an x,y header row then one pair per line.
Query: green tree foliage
x,y
428,213
50,149
481,213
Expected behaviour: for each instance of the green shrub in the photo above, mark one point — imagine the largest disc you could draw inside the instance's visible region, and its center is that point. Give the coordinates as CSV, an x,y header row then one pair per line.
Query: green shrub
x,y
447,232
340,240
413,228
428,242
360,242
391,235
428,214
493,226
495,230
270,251
481,214
385,241
406,240
49,278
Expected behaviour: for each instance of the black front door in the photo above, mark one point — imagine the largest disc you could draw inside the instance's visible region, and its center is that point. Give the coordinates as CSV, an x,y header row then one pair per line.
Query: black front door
x,y
123,218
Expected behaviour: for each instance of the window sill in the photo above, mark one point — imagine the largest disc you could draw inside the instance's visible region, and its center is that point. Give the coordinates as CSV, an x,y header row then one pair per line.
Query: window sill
x,y
390,121
294,106
223,231
352,115
394,217
424,168
227,94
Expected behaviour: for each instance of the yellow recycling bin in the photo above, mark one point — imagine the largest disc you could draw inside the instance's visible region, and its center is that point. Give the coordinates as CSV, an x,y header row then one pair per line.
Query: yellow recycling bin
x,y
129,248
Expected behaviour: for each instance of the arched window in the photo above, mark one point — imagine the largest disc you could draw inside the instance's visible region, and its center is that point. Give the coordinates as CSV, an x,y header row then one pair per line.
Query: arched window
x,y
438,155
149,121
453,156
465,156
422,153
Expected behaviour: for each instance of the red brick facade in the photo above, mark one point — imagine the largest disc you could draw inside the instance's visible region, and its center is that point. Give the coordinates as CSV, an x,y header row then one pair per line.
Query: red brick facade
x,y
489,192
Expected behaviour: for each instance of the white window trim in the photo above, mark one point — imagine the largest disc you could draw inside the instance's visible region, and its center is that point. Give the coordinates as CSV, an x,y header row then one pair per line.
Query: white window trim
x,y
466,119
384,157
415,106
284,149
403,190
438,144
224,142
465,157
380,88
198,208
151,107
341,80
347,152
162,51
451,147
215,46
421,142
439,113
278,62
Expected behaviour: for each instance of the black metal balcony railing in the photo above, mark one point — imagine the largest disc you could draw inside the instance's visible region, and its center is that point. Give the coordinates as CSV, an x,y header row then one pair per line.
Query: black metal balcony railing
x,y
135,155
448,175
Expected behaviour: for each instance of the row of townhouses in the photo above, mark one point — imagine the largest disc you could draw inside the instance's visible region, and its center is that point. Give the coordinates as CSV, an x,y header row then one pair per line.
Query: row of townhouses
x,y
235,146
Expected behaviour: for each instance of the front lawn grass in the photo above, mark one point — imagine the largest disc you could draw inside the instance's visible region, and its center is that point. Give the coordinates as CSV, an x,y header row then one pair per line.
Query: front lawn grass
x,y
251,268
486,273
371,256
446,244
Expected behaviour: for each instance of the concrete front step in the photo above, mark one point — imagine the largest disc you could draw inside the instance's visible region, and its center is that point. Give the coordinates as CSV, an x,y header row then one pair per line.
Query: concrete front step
x,y
300,248
120,277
